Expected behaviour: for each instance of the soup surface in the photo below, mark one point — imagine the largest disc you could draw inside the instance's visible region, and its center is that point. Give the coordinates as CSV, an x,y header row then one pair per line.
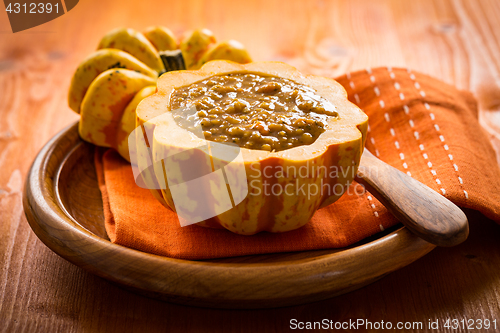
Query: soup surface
x,y
254,111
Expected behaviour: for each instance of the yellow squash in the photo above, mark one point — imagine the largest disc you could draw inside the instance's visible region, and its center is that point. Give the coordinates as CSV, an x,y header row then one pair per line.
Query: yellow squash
x,y
309,176
107,86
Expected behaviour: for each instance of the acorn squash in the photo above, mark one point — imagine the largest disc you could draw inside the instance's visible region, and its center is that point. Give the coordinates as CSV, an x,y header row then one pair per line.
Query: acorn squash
x,y
282,189
107,85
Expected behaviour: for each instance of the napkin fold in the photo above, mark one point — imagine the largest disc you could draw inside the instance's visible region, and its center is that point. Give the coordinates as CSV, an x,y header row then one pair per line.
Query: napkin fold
x,y
418,124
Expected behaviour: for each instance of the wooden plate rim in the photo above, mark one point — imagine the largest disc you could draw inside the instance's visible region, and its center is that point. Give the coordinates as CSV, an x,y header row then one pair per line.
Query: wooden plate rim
x,y
200,282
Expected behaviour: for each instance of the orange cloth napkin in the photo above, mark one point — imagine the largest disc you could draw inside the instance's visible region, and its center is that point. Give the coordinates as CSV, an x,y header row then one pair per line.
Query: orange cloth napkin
x,y
418,124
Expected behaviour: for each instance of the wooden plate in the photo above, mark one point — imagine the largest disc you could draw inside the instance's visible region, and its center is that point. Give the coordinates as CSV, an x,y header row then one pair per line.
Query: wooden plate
x,y
63,206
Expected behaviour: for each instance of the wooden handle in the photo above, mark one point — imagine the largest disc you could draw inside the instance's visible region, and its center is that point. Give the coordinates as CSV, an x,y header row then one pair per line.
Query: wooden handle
x,y
425,212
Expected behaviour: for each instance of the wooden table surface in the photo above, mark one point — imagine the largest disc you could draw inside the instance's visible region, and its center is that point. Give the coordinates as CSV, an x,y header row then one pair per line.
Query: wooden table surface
x,y
456,41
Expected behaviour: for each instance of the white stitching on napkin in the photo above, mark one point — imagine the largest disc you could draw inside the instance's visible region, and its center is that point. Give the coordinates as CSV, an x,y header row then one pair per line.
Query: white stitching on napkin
x,y
372,140
416,134
441,137
397,86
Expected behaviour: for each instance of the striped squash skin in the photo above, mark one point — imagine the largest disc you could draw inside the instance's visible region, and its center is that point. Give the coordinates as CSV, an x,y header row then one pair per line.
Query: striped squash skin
x,y
286,188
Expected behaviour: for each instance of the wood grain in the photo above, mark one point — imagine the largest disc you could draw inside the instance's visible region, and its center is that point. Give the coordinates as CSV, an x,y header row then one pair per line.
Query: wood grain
x,y
422,210
457,41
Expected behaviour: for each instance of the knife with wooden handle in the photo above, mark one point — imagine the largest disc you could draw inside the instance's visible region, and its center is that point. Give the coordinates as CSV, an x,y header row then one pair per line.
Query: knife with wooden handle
x,y
425,212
